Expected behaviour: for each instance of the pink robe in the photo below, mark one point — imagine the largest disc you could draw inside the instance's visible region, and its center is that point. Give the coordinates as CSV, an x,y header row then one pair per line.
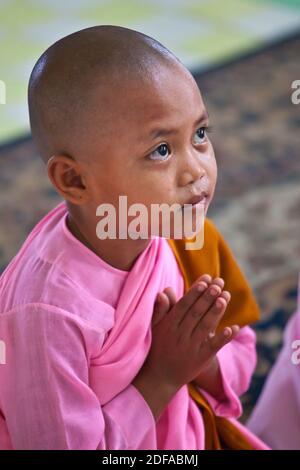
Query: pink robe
x,y
76,332
276,417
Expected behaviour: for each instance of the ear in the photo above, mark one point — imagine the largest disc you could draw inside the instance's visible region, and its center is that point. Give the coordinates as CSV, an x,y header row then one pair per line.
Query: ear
x,y
67,176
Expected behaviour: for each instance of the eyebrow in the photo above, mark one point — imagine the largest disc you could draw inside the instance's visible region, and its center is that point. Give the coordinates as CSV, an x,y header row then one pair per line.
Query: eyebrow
x,y
159,132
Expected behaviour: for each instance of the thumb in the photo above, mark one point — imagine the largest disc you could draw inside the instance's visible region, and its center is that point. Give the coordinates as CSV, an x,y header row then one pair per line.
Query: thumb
x,y
161,307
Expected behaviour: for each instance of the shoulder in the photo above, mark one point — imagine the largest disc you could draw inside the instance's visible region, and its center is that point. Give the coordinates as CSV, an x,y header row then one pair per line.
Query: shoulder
x,y
50,295
38,325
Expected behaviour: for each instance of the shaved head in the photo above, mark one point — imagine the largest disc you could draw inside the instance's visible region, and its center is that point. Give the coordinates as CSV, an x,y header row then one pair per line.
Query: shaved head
x,y
75,85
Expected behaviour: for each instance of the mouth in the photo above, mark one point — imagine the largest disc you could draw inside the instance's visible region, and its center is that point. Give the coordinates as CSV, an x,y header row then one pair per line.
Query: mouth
x,y
200,198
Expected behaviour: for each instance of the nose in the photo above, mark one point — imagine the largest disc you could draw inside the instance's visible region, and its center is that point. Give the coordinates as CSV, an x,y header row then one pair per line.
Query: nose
x,y
191,169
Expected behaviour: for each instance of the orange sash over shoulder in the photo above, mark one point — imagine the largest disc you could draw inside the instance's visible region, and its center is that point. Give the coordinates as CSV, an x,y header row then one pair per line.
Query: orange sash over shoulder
x,y
216,259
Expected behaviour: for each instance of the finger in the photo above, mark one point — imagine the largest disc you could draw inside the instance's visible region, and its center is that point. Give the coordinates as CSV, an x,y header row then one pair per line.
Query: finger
x,y
205,278
161,307
186,301
191,321
226,295
211,319
202,305
219,281
235,330
210,348
171,296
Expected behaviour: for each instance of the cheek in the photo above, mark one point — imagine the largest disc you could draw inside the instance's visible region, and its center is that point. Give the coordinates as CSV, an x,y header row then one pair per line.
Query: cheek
x,y
158,192
214,171
212,167
159,181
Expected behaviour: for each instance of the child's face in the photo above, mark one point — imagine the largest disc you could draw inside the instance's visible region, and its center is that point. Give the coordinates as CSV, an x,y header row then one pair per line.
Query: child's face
x,y
133,160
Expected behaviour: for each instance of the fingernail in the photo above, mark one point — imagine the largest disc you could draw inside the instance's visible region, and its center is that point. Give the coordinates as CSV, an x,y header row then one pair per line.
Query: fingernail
x,y
227,332
213,291
201,287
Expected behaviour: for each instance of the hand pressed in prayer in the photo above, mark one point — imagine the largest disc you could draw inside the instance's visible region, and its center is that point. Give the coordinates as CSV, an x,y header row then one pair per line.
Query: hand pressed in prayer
x,y
208,307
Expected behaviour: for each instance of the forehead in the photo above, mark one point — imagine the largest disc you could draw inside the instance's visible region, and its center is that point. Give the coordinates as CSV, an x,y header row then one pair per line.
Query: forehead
x,y
170,98
174,97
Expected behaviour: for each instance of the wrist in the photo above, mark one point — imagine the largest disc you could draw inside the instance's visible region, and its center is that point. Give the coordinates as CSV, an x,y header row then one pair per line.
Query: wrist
x,y
210,369
210,380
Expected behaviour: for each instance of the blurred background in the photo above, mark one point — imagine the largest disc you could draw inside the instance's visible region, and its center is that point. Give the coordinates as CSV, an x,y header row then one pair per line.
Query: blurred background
x,y
244,55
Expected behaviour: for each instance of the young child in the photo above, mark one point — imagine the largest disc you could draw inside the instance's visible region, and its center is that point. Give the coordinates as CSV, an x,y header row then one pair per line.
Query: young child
x,y
276,416
89,359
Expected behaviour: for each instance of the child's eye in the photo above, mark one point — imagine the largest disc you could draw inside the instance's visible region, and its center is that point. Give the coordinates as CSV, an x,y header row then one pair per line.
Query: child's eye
x,y
201,134
163,150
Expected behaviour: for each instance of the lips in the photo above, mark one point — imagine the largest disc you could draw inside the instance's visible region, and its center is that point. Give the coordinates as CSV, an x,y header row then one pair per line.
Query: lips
x,y
198,198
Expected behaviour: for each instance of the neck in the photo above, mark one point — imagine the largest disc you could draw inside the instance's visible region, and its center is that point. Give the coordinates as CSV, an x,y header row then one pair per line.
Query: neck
x,y
119,253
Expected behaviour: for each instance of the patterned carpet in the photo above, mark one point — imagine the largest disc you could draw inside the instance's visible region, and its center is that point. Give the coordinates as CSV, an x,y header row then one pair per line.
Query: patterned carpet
x,y
205,33
257,201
